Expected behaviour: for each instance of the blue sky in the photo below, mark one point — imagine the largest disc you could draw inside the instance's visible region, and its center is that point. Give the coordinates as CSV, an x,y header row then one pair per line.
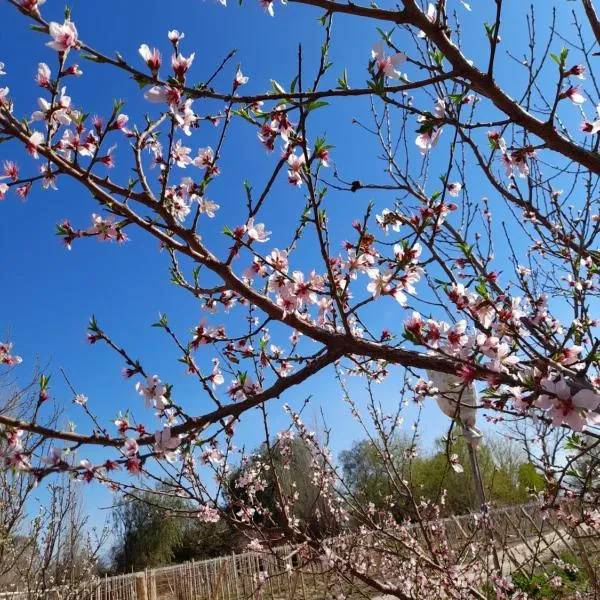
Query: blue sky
x,y
49,293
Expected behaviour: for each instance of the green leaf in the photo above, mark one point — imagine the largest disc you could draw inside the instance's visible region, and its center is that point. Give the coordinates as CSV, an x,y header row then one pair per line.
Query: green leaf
x,y
142,81
573,442
44,381
561,59
277,87
456,98
317,104
385,35
93,324
437,57
91,57
481,289
162,321
242,112
343,80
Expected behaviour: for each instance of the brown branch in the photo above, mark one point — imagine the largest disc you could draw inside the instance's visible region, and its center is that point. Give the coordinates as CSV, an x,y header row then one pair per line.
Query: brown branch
x,y
590,12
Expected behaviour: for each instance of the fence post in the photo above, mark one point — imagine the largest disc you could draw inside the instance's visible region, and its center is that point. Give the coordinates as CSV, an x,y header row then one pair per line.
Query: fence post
x,y
141,588
152,587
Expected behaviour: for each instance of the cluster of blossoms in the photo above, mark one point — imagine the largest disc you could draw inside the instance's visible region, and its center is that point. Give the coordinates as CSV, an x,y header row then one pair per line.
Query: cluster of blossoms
x,y
10,171
278,125
6,356
517,159
242,387
292,290
13,454
154,392
285,447
130,450
431,129
433,215
496,352
179,200
166,444
207,514
562,405
105,229
400,275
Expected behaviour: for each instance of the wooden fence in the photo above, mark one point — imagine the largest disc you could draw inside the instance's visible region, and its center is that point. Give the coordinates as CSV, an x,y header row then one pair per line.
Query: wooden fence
x,y
519,533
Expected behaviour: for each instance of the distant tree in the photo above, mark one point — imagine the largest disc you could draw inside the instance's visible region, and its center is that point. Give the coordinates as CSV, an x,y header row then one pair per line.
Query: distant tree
x,y
155,529
366,472
507,476
285,476
146,536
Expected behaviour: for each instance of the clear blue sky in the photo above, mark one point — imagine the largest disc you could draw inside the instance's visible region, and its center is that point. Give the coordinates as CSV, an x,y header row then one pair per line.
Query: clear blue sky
x,y
48,293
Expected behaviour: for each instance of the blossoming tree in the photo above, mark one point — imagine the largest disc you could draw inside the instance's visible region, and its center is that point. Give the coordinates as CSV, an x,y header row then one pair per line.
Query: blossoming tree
x,y
507,306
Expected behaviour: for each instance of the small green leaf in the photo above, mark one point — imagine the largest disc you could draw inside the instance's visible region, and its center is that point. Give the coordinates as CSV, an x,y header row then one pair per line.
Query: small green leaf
x,y
317,104
277,87
343,81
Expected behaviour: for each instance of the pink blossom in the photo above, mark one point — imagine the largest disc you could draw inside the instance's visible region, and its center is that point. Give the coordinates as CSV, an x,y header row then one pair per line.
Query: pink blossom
x,y
80,399
134,465
185,116
380,282
120,122
386,65
428,140
577,71
4,96
65,36
130,447
31,5
257,232
207,207
455,464
166,94
205,158
180,64
206,514
73,70
430,131
153,392
43,75
174,36
103,227
35,139
165,443
267,6
217,376
181,155
152,58
570,356
240,78
454,189
573,93
566,409
295,163
6,358
88,470
54,458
